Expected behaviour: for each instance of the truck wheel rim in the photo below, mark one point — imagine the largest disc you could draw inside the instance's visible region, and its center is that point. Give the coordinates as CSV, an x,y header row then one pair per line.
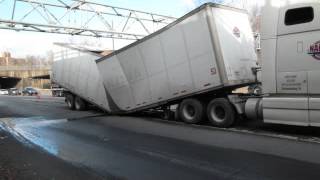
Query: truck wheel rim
x,y
218,113
189,112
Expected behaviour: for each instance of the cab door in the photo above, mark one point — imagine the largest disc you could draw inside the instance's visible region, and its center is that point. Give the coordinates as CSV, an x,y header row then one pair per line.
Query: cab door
x,y
298,58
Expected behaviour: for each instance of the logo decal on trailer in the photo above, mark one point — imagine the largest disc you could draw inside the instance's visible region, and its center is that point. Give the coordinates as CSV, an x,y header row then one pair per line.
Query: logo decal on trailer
x,y
213,71
314,50
236,32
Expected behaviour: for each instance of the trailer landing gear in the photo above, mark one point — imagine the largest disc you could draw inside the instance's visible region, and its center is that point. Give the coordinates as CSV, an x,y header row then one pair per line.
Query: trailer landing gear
x,y
167,114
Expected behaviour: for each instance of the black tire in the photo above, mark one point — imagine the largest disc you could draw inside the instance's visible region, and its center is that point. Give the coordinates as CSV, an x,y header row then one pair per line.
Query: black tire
x,y
80,104
191,111
70,101
221,113
176,114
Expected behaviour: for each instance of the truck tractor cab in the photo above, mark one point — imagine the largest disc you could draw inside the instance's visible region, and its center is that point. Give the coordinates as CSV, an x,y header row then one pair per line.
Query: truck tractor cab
x,y
290,42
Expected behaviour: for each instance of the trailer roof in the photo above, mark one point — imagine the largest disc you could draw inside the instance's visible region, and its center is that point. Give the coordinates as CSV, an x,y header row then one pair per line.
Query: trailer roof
x,y
81,48
209,4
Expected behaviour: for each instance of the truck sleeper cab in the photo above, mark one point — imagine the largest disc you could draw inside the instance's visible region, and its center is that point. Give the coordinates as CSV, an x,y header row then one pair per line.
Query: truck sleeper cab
x,y
291,62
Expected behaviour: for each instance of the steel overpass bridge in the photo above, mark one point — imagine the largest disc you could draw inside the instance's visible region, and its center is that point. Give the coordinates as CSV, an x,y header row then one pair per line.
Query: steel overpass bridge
x,y
71,17
80,17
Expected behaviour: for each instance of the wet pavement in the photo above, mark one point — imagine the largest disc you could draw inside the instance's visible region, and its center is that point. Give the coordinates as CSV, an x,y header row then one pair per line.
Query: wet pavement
x,y
149,148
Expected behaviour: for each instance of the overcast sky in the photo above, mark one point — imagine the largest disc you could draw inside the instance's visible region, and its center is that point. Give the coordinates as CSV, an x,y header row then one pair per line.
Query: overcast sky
x,y
21,44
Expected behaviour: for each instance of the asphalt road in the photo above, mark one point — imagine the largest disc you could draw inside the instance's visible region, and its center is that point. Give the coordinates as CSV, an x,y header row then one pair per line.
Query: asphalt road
x,y
149,148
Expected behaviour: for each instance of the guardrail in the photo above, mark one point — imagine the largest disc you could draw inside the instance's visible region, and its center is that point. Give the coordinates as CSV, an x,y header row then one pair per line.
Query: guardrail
x,y
25,68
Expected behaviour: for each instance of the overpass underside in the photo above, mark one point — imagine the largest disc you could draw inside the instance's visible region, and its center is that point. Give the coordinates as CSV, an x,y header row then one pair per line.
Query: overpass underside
x,y
38,78
9,82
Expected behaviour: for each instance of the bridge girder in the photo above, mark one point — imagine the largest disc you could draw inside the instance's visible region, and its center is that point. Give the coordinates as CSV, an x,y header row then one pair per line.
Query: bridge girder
x,y
83,18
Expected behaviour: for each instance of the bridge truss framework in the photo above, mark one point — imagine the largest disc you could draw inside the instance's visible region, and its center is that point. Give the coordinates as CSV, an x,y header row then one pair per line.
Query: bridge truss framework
x,y
81,17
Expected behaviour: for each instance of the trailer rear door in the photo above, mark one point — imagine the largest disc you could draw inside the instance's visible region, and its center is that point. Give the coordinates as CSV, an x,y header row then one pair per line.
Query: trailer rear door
x,y
237,44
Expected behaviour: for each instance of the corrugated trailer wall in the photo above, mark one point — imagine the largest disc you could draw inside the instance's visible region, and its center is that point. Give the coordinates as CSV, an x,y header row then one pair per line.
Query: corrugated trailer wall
x,y
79,75
177,61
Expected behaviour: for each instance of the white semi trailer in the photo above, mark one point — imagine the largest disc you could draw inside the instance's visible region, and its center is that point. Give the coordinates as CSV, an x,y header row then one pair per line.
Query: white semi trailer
x,y
197,61
75,70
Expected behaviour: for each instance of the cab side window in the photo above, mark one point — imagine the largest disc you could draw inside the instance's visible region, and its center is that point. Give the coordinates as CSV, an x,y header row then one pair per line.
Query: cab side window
x,y
299,16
